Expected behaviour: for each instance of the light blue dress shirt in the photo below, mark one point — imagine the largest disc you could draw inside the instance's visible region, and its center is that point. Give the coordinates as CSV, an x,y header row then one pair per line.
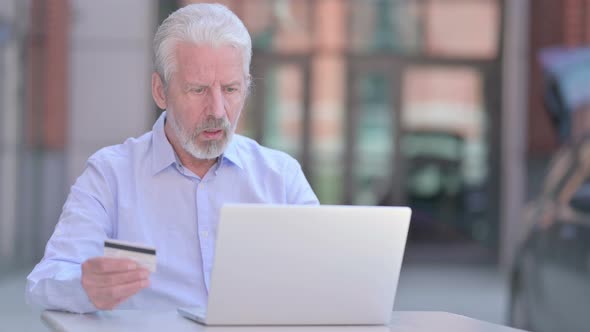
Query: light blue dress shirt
x,y
139,191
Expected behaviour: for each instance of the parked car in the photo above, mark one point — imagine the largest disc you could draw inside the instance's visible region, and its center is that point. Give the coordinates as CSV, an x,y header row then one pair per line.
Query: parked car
x,y
550,278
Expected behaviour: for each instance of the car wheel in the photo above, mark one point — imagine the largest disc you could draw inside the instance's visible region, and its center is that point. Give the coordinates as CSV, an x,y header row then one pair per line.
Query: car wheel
x,y
519,307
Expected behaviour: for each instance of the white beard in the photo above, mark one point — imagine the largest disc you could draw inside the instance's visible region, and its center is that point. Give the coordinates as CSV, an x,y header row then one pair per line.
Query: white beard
x,y
208,150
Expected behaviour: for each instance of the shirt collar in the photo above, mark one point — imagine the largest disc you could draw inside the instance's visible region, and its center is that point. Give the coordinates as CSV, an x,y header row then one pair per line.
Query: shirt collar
x,y
231,153
163,154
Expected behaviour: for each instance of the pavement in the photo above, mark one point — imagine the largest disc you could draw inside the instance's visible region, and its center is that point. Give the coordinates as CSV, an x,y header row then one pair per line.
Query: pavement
x,y
15,314
473,290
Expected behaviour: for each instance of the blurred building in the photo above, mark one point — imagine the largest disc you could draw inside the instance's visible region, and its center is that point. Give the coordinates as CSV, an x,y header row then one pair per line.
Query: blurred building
x,y
12,25
382,107
78,79
383,102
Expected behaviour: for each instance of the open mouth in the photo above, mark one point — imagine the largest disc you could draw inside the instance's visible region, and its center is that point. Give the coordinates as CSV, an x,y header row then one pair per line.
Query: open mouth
x,y
212,133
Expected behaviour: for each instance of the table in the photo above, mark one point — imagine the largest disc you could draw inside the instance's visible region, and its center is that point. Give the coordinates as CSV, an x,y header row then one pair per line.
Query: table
x,y
171,321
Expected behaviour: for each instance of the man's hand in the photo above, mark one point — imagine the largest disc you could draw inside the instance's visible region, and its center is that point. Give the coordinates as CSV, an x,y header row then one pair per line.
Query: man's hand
x,y
110,281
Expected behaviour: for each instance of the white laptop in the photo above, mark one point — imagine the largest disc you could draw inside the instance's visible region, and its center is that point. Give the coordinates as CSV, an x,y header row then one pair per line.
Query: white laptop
x,y
305,265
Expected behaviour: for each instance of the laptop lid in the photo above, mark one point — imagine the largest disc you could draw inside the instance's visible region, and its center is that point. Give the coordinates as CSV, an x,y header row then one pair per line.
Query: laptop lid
x,y
306,265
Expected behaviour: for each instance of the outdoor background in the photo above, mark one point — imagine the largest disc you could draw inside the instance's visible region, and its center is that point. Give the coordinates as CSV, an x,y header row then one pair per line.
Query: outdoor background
x,y
435,104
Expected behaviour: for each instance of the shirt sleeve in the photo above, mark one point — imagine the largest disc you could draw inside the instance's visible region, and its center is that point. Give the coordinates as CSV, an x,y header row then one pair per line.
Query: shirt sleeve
x,y
299,191
86,220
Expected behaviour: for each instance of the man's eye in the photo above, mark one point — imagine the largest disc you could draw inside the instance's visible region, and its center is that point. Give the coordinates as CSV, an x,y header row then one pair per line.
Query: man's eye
x,y
230,89
198,90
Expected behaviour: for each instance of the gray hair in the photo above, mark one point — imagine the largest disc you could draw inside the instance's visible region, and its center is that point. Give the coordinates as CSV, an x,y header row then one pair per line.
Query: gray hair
x,y
203,23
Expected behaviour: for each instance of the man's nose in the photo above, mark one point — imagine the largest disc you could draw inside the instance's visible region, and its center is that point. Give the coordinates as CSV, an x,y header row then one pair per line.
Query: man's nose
x,y
216,106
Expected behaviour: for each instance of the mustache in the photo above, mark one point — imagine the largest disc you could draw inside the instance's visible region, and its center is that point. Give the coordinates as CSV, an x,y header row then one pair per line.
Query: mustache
x,y
213,123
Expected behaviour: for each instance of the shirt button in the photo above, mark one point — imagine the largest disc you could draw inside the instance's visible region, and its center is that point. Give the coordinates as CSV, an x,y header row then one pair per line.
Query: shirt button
x,y
204,233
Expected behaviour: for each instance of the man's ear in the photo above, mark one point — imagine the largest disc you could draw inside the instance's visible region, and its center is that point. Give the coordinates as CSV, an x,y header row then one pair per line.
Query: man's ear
x,y
158,91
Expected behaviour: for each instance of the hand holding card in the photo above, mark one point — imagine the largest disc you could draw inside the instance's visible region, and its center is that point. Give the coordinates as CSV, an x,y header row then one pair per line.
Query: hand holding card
x,y
109,281
123,271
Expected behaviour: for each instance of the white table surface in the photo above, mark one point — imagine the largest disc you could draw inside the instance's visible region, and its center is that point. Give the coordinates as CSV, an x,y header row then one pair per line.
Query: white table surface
x,y
171,321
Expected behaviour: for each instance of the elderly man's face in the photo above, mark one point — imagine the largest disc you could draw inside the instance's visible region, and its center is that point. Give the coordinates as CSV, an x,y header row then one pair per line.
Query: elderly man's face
x,y
205,97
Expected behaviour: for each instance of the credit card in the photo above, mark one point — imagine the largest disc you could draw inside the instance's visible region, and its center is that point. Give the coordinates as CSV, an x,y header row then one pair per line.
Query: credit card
x,y
143,255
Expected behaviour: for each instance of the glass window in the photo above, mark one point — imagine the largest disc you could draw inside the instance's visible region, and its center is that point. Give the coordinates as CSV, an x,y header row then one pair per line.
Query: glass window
x,y
375,141
327,127
274,111
385,25
447,101
283,104
460,28
444,142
